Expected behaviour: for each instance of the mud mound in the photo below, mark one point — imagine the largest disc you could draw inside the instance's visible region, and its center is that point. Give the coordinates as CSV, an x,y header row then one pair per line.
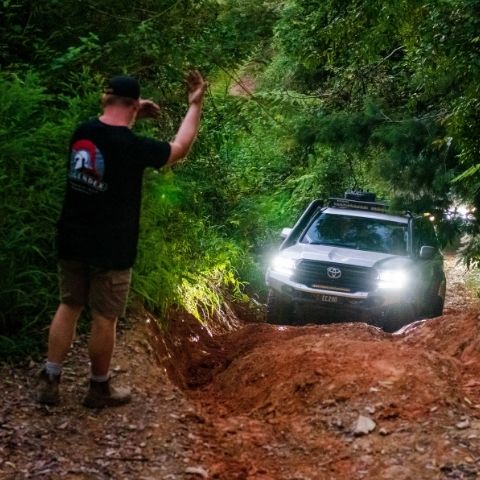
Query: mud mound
x,y
423,365
267,370
298,371
337,401
455,335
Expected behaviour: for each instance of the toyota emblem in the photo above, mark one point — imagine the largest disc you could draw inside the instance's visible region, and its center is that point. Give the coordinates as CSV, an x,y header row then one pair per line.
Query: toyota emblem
x,y
334,273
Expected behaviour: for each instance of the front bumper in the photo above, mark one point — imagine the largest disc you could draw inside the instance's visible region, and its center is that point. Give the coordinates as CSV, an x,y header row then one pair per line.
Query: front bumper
x,y
335,304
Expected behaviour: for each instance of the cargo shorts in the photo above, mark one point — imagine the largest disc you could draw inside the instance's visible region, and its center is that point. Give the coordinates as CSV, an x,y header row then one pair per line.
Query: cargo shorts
x,y
104,291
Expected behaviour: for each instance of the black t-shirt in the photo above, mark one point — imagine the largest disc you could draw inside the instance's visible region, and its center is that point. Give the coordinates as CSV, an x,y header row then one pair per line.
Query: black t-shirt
x,y
101,209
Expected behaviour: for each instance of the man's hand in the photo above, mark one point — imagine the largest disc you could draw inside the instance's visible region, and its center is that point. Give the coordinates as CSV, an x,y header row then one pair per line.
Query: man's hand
x,y
196,86
147,109
188,130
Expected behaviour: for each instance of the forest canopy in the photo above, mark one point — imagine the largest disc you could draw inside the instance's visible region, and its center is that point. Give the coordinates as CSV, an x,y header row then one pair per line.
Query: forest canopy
x,y
307,99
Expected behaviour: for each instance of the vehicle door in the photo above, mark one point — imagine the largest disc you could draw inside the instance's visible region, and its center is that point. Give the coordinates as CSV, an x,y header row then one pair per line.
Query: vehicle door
x,y
429,270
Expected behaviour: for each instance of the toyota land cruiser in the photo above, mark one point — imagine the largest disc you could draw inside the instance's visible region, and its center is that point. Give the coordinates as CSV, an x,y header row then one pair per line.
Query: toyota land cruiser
x,y
352,260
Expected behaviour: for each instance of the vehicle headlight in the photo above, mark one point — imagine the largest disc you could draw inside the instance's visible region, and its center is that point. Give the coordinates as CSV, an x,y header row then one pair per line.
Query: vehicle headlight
x,y
283,265
394,279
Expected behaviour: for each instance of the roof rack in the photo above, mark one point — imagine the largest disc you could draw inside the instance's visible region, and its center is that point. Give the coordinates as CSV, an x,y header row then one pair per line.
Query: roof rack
x,y
357,205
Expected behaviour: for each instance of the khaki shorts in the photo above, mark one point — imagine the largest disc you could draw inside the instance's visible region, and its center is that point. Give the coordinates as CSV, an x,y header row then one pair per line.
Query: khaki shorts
x,y
105,291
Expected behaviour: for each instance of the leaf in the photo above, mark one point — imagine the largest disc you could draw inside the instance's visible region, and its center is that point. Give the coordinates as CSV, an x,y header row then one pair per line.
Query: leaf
x,y
467,173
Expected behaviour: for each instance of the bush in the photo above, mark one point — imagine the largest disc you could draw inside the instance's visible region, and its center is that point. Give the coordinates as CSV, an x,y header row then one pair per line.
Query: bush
x,y
32,145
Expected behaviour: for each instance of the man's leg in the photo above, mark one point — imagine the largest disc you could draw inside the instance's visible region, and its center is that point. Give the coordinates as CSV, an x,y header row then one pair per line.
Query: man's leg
x,y
62,332
101,344
73,286
107,299
100,348
60,338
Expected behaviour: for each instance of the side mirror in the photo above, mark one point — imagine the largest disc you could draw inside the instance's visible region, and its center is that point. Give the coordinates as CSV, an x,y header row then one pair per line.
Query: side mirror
x,y
427,252
286,232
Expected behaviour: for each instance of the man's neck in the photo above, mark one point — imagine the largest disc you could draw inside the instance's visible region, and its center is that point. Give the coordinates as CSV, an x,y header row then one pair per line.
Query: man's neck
x,y
117,117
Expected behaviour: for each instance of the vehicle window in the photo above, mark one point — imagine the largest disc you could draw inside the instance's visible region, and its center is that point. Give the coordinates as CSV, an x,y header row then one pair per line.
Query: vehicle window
x,y
358,232
423,234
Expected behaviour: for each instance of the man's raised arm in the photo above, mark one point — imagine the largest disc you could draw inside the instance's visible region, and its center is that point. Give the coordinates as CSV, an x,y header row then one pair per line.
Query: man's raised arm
x,y
188,129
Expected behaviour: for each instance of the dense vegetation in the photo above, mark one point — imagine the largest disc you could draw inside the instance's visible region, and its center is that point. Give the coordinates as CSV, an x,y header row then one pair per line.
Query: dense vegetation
x,y
381,95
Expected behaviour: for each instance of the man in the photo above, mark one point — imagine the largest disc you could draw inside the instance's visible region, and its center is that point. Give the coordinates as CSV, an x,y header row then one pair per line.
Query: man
x,y
98,227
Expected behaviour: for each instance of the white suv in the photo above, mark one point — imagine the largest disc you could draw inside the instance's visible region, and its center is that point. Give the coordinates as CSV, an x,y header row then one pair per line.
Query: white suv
x,y
352,261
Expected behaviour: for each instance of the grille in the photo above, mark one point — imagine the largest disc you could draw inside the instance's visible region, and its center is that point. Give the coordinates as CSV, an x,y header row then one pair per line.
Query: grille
x,y
353,279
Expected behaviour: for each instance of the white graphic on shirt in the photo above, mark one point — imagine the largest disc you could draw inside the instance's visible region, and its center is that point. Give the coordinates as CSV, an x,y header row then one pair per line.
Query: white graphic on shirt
x,y
82,160
87,167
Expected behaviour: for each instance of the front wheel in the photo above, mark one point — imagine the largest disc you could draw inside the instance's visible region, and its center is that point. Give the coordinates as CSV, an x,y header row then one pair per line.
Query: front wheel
x,y
279,309
437,300
397,316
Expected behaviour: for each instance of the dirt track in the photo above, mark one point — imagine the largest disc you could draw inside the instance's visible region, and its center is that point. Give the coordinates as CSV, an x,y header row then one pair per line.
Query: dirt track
x,y
342,401
262,402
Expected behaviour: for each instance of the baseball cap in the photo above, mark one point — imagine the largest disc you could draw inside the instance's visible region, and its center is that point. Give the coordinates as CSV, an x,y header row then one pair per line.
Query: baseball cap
x,y
123,86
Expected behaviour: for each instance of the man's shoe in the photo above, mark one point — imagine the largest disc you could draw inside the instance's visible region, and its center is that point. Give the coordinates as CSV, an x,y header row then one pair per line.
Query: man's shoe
x,y
102,394
48,388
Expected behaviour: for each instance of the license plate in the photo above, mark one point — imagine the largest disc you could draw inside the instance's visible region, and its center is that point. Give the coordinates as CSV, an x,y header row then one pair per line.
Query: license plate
x,y
329,299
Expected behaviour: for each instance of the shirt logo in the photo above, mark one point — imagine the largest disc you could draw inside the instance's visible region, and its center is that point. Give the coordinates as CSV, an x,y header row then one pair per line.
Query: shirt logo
x,y
87,167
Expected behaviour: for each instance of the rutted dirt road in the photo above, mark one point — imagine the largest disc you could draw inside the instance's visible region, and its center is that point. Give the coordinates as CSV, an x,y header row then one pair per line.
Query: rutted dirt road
x,y
344,401
263,402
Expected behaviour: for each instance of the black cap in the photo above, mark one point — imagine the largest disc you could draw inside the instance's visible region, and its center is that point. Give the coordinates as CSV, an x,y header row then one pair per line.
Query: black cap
x,y
124,86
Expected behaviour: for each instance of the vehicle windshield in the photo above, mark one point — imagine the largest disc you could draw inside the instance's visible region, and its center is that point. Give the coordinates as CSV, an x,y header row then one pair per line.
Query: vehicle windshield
x,y
361,233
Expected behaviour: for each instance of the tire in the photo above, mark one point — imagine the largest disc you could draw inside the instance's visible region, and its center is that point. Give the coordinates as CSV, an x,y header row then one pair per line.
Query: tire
x,y
397,316
437,307
436,300
279,309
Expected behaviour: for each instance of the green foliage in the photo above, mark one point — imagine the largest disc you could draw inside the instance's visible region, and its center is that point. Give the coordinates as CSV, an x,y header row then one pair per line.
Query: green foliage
x,y
33,142
30,183
473,282
183,260
394,82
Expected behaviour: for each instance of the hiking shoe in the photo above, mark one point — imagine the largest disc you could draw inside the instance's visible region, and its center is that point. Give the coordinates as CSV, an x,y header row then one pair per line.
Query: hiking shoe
x,y
102,394
48,388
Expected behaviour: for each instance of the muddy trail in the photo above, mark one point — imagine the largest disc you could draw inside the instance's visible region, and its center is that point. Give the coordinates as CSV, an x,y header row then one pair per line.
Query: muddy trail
x,y
247,400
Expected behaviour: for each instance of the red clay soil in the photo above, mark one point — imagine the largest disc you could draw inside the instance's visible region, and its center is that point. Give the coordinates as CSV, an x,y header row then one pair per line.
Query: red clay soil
x,y
335,401
258,402
284,402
